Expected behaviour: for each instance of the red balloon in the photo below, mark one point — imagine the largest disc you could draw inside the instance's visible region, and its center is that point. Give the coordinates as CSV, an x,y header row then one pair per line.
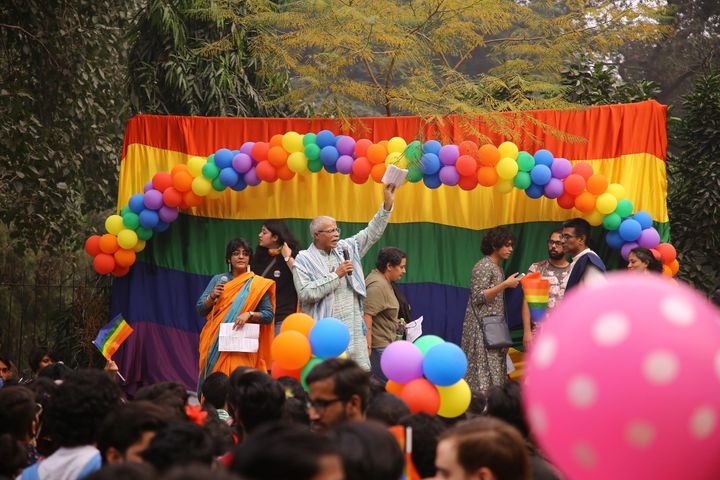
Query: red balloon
x,y
421,396
277,371
259,151
466,165
284,173
361,167
162,181
574,184
361,147
92,245
566,201
468,147
667,252
359,180
266,172
120,271
468,183
172,198
191,199
656,254
104,263
583,169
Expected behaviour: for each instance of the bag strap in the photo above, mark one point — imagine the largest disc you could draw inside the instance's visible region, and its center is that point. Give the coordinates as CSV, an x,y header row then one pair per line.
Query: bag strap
x,y
270,265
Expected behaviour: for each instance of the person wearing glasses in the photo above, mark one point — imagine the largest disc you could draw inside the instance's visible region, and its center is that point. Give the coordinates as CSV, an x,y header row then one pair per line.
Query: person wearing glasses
x,y
328,275
586,266
555,269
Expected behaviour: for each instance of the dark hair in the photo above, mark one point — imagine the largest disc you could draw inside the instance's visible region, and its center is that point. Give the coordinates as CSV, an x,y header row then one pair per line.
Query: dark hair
x,y
278,451
255,398
646,256
13,456
490,443
237,244
56,371
505,402
295,408
349,379
557,230
496,238
220,433
44,389
368,451
180,443
283,232
426,429
387,408
214,389
125,425
6,361
199,472
79,405
581,226
170,395
17,412
37,355
391,255
124,471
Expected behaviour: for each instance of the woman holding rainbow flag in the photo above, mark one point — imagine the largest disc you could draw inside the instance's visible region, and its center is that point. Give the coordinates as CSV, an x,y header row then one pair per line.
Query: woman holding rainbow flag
x,y
236,297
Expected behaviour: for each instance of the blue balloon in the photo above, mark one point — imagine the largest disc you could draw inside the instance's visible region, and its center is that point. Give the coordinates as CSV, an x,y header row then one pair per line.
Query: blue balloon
x,y
630,230
430,163
330,168
444,364
540,174
223,158
228,176
137,203
644,219
614,240
432,146
432,181
325,139
149,218
240,185
535,191
161,226
329,155
543,157
329,337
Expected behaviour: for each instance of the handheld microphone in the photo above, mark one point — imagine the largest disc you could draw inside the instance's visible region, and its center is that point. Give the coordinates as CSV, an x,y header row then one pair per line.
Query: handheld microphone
x,y
223,280
346,256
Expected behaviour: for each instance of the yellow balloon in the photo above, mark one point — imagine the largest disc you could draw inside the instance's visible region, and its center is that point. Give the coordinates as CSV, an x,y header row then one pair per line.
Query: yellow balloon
x,y
504,186
606,203
292,142
195,165
343,354
127,238
507,168
595,218
396,144
393,158
454,400
617,190
201,186
297,162
139,246
509,150
113,224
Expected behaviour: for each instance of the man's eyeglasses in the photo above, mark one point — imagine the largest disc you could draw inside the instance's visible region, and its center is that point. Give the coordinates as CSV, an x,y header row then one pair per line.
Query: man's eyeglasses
x,y
330,230
554,243
321,404
4,369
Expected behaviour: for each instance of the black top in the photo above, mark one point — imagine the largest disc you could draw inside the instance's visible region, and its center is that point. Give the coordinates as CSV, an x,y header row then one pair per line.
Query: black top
x,y
285,295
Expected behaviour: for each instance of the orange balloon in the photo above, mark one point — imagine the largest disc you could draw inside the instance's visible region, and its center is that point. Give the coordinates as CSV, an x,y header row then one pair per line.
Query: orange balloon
x,y
421,396
378,171
394,387
597,184
284,173
574,184
277,156
566,201
667,271
109,244
674,267
487,176
259,151
466,165
191,199
583,169
291,350
124,257
182,181
667,252
585,202
376,153
103,263
266,172
277,372
180,167
468,147
361,147
468,183
298,322
489,156
276,141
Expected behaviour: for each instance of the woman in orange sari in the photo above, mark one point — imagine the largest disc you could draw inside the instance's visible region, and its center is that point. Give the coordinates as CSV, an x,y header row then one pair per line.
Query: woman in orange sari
x,y
237,297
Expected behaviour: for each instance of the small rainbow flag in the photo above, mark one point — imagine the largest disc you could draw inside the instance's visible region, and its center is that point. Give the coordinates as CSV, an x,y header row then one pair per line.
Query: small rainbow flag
x,y
112,335
537,293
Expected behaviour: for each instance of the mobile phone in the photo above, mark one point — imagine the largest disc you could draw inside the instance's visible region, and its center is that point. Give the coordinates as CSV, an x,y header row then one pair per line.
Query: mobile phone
x,y
520,276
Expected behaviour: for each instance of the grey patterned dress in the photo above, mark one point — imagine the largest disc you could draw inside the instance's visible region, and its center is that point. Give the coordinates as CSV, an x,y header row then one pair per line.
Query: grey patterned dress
x,y
485,367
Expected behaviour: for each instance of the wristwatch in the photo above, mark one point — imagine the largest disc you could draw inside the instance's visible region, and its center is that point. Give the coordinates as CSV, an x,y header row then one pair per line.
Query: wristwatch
x,y
287,258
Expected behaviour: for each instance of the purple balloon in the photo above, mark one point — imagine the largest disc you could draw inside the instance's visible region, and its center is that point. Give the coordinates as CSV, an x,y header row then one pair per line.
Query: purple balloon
x,y
449,175
401,362
251,177
241,162
649,238
344,164
625,249
561,168
168,214
345,146
148,186
554,188
247,148
153,199
449,154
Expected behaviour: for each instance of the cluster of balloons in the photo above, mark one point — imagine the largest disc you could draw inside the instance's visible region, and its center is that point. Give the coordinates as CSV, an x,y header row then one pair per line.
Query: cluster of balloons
x,y
303,343
428,375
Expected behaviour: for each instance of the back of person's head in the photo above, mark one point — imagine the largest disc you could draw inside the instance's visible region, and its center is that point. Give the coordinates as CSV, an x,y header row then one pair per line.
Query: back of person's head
x,y
349,379
496,238
124,471
18,411
44,389
79,406
199,472
486,442
35,359
170,395
426,429
180,443
254,398
505,402
214,390
295,407
13,456
368,450
127,426
389,255
220,433
57,371
387,408
278,451
581,226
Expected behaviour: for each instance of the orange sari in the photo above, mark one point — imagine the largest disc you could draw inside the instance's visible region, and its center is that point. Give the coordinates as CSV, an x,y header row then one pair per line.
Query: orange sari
x,y
227,362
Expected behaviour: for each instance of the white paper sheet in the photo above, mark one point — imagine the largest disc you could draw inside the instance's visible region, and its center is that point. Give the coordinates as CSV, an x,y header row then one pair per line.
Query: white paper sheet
x,y
414,329
394,176
246,339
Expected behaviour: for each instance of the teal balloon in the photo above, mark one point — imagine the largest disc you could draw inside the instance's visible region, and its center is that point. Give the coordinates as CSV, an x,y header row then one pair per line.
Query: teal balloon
x,y
125,209
306,370
525,162
309,139
312,152
315,165
522,180
413,152
144,233
612,221
426,342
414,174
210,171
131,220
211,158
217,184
624,208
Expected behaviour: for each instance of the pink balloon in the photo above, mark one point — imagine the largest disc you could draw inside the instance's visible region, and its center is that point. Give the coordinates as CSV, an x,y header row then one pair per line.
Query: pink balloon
x,y
623,381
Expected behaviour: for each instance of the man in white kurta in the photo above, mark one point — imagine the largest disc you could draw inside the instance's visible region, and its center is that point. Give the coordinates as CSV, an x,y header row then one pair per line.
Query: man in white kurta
x,y
330,286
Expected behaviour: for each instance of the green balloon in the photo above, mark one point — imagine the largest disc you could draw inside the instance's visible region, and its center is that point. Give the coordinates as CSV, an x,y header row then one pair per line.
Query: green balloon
x,y
125,209
315,165
414,174
525,162
210,171
144,233
309,139
612,221
312,152
624,208
426,342
306,370
217,185
131,220
522,180
413,152
211,158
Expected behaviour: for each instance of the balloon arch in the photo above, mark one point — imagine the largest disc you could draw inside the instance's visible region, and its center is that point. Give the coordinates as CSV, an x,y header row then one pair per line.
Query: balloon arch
x,y
466,166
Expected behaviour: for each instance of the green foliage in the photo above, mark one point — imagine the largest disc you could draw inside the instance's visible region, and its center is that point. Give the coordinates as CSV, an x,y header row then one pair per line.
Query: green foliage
x,y
694,186
600,84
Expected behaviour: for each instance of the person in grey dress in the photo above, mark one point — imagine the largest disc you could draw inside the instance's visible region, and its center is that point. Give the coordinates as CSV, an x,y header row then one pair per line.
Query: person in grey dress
x,y
487,367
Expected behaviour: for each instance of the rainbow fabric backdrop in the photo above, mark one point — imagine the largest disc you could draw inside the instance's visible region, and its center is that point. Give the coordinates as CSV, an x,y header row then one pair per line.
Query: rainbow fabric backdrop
x,y
439,225
112,336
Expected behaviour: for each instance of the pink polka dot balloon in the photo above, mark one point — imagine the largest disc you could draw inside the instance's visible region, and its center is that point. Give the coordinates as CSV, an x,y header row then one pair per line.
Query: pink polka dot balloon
x,y
623,382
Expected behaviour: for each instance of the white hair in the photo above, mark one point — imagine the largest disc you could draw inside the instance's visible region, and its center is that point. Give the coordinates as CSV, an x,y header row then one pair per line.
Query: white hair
x,y
317,223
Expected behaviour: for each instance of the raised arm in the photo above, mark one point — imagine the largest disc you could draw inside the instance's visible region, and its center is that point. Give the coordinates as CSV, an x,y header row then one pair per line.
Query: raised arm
x,y
367,237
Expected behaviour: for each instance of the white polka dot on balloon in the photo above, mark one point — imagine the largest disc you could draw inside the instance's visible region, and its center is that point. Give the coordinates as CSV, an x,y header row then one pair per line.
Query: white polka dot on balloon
x,y
585,455
611,329
582,391
717,365
640,433
703,422
538,419
677,311
545,350
660,367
